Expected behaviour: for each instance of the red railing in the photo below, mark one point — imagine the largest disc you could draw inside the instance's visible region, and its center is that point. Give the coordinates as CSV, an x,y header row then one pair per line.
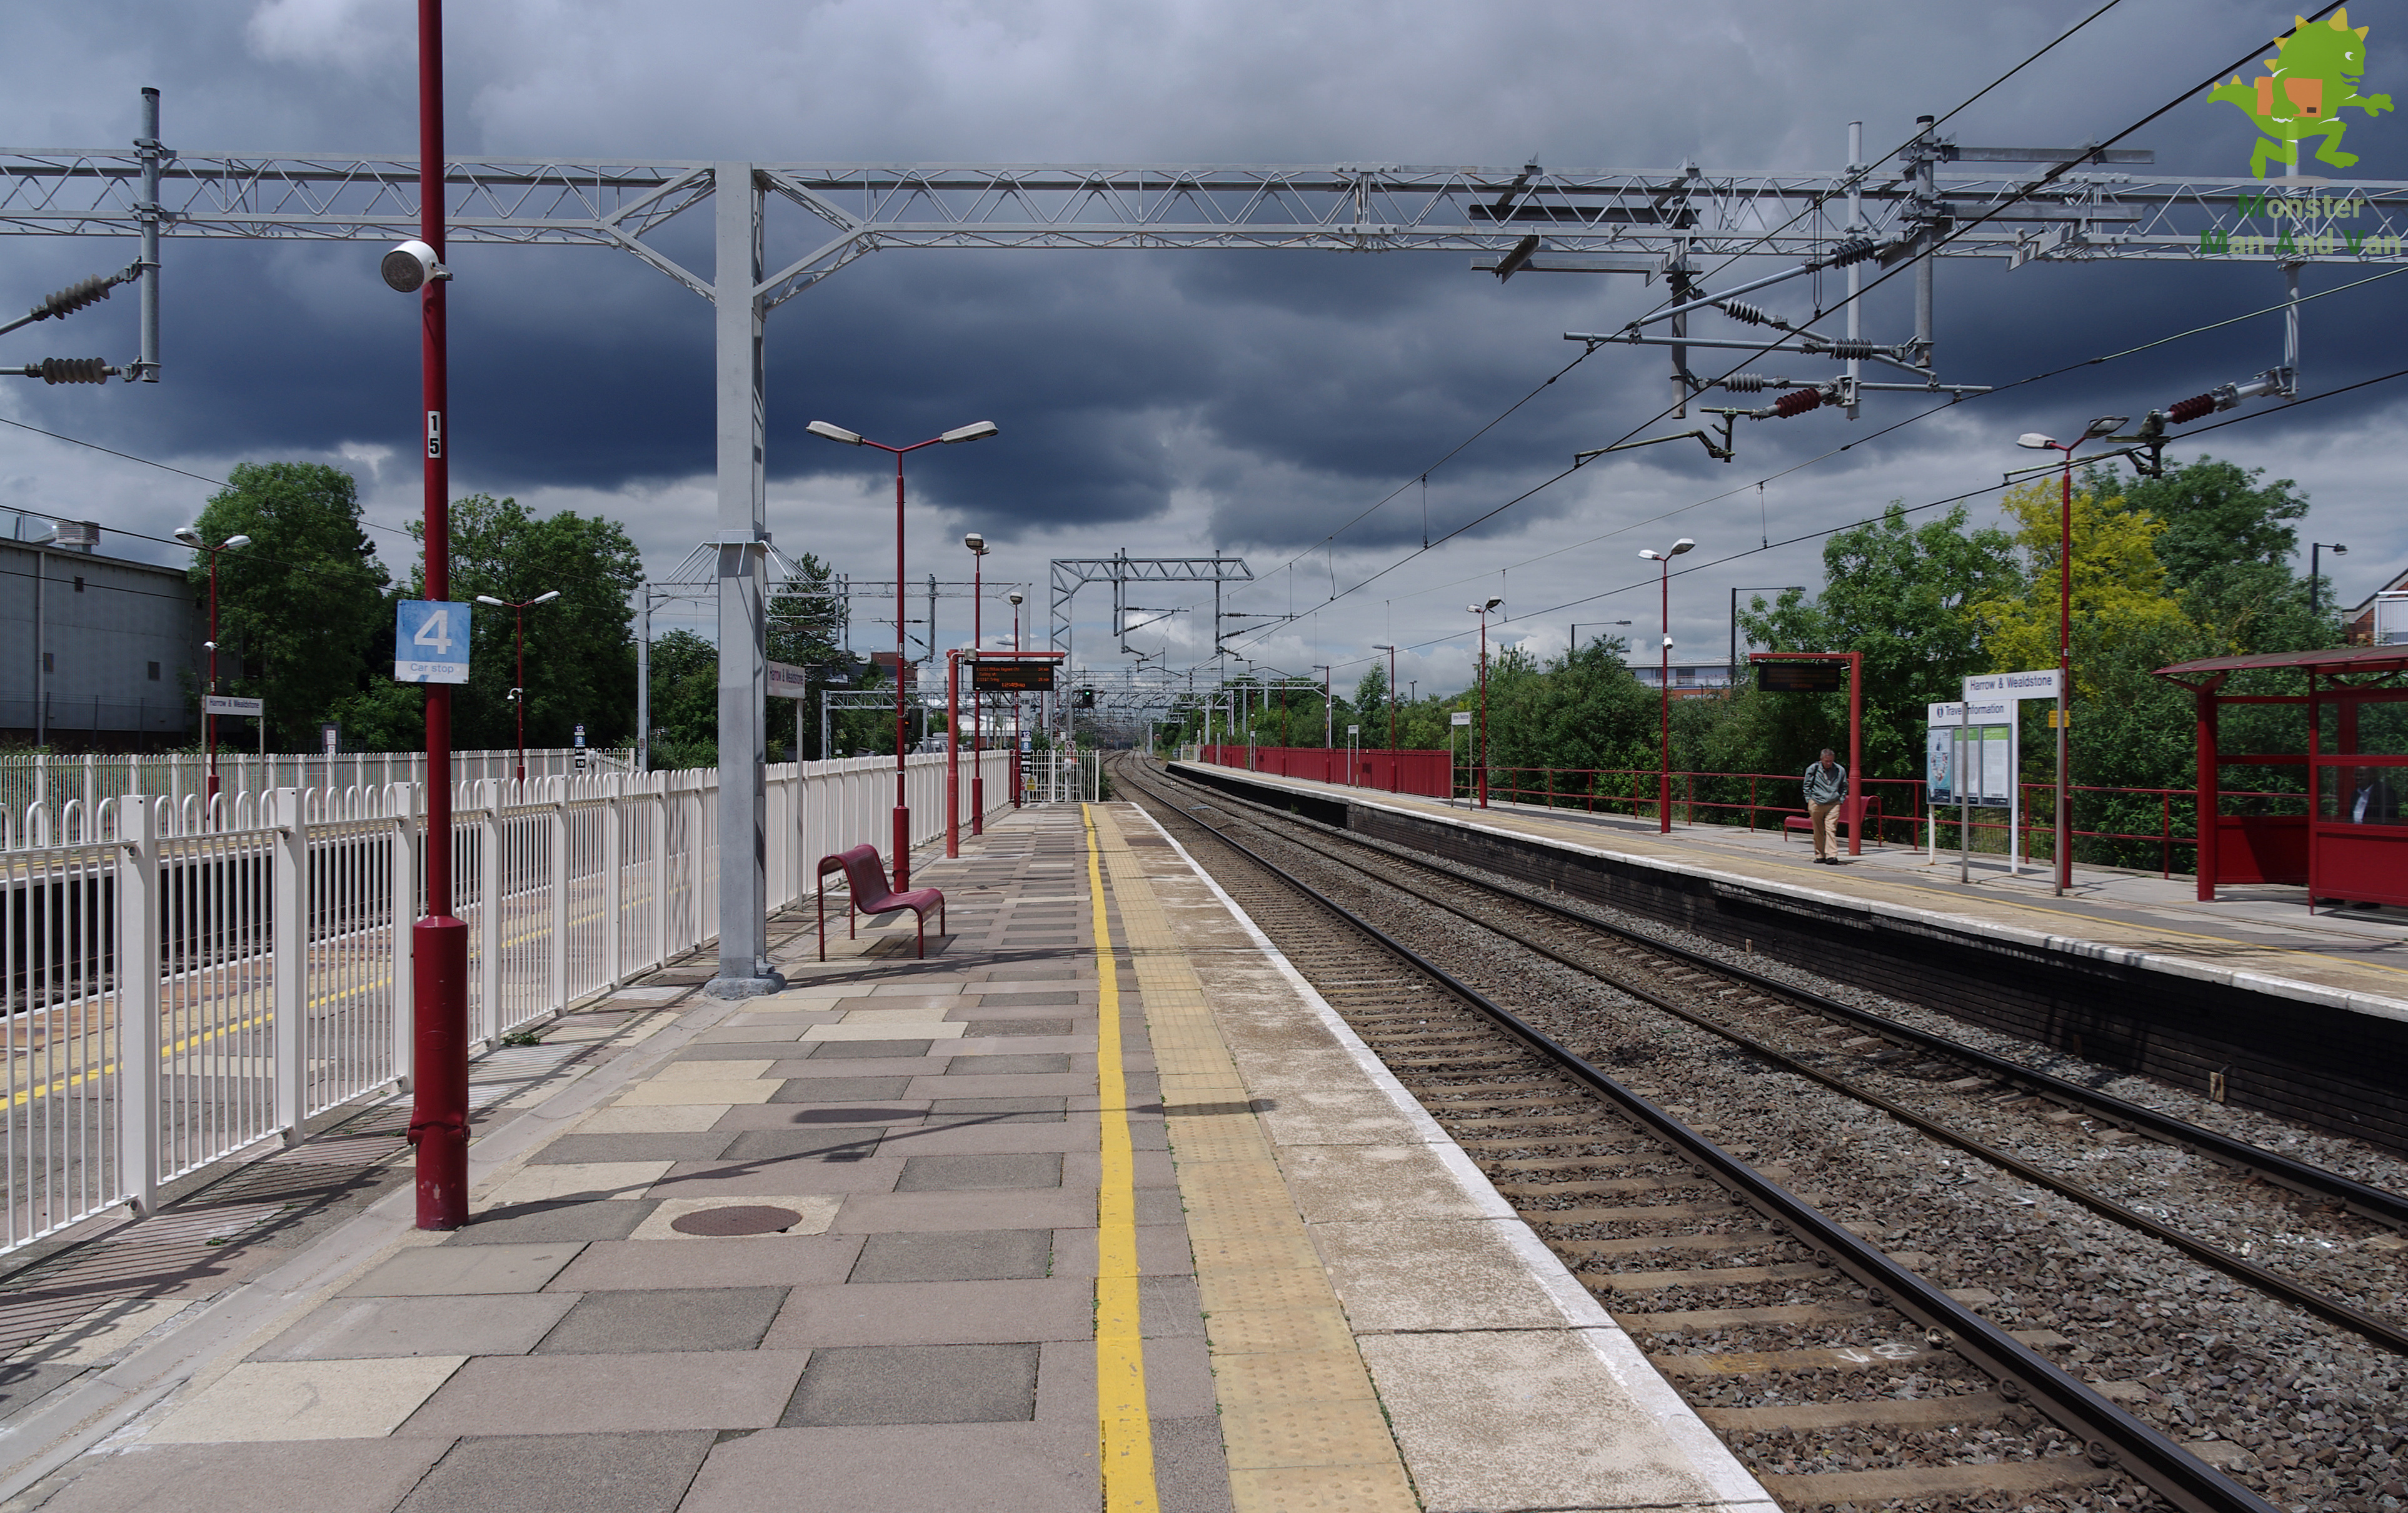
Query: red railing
x,y
1632,791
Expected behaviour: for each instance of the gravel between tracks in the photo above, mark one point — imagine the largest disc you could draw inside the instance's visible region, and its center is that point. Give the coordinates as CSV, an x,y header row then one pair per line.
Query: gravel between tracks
x,y
2310,1418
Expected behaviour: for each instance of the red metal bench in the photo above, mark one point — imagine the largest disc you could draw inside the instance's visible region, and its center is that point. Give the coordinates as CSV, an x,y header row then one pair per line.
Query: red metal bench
x,y
1847,815
870,893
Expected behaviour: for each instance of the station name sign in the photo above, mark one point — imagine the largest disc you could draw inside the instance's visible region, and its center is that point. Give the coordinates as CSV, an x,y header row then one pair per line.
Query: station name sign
x,y
2042,684
1000,676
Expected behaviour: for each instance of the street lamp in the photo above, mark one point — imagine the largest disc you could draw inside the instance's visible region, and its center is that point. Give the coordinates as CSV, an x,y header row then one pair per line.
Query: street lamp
x,y
1016,598
2315,552
1392,713
1482,772
191,536
977,430
1664,685
518,694
977,544
2104,425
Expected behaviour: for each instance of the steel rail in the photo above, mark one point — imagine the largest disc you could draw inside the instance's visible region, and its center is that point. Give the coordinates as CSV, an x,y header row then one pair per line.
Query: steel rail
x,y
2112,1433
2332,1310
2370,1202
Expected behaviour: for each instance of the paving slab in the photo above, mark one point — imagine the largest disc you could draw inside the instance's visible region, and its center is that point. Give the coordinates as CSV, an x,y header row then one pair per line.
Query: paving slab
x,y
263,1400
591,1394
978,1172
955,1256
795,1260
271,1477
917,1384
994,1467
492,1323
628,1320
617,1472
1037,1308
453,1270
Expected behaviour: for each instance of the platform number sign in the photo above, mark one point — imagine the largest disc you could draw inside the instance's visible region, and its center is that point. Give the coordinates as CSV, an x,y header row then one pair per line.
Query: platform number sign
x,y
430,642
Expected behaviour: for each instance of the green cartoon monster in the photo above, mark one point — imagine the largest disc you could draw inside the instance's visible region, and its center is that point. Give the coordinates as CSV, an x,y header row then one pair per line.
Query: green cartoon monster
x,y
2301,94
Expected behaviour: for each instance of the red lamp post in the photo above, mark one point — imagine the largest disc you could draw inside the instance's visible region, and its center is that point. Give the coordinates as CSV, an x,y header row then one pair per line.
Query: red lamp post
x,y
977,430
1664,767
977,544
2104,425
191,536
1392,714
1016,602
518,694
1481,773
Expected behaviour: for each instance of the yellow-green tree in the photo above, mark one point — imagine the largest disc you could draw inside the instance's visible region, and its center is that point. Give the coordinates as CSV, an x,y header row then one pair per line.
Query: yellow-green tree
x,y
2119,586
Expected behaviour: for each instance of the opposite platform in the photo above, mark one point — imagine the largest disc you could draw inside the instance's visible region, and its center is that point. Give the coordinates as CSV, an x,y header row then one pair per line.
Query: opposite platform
x,y
1096,1206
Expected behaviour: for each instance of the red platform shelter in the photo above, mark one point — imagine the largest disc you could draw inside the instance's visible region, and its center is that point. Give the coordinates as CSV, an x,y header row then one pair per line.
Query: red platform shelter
x,y
2352,843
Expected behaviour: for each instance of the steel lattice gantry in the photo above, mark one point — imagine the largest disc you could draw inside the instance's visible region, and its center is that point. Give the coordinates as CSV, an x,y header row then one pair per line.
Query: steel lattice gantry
x,y
1120,570
1592,220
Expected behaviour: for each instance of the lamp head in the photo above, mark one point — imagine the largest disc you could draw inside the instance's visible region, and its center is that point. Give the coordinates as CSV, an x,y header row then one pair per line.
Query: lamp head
x,y
487,598
976,542
1016,597
230,543
2106,426
1684,544
545,598
2338,549
834,433
2036,441
410,266
1651,554
1493,604
188,536
976,431
209,646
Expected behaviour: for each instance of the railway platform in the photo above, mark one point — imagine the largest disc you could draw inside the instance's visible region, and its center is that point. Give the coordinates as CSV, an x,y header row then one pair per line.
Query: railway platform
x,y
1098,1206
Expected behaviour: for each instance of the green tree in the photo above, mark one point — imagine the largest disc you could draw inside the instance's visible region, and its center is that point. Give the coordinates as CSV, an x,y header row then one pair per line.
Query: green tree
x,y
580,648
1371,704
685,701
2226,548
1904,596
305,602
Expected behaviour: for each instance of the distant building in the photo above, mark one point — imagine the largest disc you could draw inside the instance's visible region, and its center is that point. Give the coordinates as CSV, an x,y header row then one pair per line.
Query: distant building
x,y
1690,679
95,652
884,663
2382,620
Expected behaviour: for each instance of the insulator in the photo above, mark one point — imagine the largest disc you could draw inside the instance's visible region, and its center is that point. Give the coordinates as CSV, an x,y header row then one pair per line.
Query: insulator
x,y
1798,402
75,370
2191,410
1745,383
1843,346
1744,313
74,297
1853,250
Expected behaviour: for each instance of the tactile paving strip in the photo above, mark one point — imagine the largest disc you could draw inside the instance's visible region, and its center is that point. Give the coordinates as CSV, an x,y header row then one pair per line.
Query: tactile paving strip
x,y
1300,1418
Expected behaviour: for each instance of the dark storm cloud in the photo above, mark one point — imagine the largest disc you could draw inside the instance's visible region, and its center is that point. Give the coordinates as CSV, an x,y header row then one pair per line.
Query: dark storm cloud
x,y
1276,393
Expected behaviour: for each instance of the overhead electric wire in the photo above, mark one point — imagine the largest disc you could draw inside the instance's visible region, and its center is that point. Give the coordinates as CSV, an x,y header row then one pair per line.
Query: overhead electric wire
x,y
1963,227
1907,509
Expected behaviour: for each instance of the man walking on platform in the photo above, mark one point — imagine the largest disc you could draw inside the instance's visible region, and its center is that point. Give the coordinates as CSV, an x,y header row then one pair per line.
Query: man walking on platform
x,y
1827,787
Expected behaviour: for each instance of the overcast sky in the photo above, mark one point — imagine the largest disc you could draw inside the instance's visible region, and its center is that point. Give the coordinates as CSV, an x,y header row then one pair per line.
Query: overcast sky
x,y
1164,402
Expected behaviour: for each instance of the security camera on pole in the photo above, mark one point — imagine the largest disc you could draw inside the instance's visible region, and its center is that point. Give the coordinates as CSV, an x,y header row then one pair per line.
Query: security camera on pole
x,y
518,696
1483,611
977,546
191,536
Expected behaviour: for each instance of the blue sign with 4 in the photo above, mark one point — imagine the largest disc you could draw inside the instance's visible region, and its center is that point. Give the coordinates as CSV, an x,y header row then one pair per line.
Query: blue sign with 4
x,y
430,642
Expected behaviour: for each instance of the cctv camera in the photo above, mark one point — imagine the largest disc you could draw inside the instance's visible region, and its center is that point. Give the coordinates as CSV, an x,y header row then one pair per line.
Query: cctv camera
x,y
1668,643
409,266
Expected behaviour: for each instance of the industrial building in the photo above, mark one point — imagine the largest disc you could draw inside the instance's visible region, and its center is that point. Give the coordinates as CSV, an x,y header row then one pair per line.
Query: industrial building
x,y
95,652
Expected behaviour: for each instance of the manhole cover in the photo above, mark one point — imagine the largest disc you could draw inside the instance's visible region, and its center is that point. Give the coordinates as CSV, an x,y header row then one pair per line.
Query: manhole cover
x,y
746,1219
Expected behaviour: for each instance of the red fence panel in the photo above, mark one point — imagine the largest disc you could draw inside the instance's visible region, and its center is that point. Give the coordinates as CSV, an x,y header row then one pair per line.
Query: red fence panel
x,y
1431,774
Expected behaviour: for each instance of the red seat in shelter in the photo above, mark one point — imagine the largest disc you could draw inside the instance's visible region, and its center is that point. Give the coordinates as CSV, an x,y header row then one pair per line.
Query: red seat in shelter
x,y
864,875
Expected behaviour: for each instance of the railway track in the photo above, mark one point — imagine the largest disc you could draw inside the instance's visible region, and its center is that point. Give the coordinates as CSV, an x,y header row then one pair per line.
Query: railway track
x,y
1841,1374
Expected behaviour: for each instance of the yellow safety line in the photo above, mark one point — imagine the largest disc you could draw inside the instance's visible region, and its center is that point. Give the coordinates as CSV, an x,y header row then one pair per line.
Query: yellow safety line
x,y
1127,1450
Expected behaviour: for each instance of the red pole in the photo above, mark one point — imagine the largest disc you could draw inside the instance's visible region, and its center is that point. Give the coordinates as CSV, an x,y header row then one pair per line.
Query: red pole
x,y
1664,764
438,1115
1483,709
208,718
902,804
1856,752
978,728
1392,720
2206,802
1016,700
953,753
2064,673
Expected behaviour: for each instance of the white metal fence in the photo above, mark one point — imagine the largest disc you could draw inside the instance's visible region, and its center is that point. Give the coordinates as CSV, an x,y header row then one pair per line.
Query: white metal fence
x,y
181,983
30,778
1063,777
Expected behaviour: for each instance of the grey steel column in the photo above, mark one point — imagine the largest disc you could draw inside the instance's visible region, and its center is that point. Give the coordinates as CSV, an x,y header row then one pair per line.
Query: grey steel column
x,y
744,967
643,678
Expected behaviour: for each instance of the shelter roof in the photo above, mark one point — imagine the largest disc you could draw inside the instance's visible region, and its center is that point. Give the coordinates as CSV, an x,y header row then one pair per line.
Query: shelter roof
x,y
2353,659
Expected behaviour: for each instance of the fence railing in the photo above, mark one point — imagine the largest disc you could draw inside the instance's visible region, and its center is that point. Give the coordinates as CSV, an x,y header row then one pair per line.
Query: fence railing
x,y
31,777
183,985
